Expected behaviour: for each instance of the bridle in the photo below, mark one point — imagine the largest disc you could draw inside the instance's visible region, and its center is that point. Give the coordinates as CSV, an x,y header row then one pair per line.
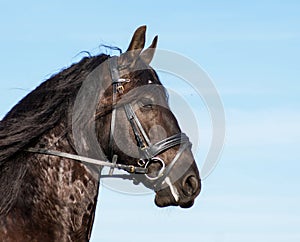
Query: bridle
x,y
148,151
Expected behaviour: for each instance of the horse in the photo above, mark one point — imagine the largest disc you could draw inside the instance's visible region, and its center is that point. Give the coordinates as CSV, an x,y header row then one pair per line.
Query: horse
x,y
102,111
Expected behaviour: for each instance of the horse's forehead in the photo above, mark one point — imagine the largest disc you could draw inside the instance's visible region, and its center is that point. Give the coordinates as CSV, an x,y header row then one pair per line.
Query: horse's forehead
x,y
153,91
158,94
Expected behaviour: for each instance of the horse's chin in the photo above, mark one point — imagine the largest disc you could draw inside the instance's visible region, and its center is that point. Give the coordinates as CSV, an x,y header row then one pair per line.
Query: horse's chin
x,y
162,202
166,201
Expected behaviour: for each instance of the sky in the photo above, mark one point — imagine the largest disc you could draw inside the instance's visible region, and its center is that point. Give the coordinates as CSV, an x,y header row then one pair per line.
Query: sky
x,y
250,49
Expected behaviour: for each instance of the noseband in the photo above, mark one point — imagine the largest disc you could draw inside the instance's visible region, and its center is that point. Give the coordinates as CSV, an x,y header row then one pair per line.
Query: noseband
x,y
147,150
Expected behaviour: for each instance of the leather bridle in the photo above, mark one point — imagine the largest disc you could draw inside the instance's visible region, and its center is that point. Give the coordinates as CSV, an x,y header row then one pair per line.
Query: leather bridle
x,y
148,151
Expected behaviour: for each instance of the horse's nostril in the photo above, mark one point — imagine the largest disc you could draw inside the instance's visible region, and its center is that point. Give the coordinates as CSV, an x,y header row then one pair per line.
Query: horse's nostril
x,y
190,185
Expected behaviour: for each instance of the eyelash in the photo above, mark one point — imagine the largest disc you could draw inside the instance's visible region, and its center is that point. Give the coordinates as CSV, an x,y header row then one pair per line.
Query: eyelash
x,y
148,106
146,103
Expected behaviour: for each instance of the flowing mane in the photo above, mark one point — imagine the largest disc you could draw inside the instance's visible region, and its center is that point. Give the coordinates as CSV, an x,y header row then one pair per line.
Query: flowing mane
x,y
49,177
42,109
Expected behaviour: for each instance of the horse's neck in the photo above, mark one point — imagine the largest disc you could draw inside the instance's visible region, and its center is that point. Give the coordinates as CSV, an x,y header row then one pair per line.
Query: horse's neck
x,y
60,193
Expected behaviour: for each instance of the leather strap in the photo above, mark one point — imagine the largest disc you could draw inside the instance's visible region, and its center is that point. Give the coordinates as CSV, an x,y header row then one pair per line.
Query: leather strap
x,y
128,168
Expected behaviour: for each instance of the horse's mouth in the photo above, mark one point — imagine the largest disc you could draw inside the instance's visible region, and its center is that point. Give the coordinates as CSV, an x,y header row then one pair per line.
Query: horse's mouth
x,y
181,193
165,201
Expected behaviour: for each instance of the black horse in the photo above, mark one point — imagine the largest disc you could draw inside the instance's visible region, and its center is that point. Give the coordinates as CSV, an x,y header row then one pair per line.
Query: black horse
x,y
49,160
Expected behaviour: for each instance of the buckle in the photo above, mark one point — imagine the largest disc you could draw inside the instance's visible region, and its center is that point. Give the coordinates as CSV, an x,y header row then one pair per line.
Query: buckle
x,y
131,169
141,162
120,88
144,147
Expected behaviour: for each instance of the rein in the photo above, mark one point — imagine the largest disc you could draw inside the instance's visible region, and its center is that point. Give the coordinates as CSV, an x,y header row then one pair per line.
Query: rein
x,y
112,165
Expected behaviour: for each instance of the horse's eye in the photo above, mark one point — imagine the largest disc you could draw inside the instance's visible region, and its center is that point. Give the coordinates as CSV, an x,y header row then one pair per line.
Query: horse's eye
x,y
146,103
149,105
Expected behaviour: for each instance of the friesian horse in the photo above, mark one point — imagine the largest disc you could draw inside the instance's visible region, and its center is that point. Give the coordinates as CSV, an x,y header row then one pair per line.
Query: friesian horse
x,y
50,163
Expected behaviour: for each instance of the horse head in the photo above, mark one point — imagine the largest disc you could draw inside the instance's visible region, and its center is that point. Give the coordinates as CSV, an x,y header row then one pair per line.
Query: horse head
x,y
134,124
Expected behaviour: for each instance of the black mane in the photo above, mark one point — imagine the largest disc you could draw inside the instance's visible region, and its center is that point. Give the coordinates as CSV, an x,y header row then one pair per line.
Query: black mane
x,y
43,108
87,109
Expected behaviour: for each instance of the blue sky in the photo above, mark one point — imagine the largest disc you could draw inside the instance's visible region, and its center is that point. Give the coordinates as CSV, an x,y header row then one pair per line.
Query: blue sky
x,y
250,49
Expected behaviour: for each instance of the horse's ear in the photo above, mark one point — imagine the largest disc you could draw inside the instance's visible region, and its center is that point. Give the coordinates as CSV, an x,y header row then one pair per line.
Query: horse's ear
x,y
138,39
136,46
147,54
